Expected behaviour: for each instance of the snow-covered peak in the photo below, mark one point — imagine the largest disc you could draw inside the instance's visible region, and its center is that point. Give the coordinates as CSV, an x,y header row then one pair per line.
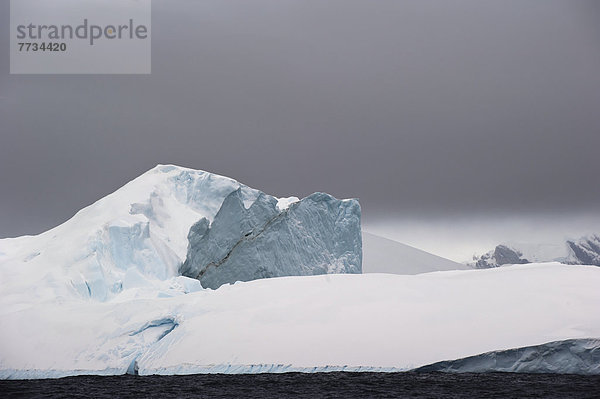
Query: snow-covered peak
x,y
585,250
168,187
137,232
582,251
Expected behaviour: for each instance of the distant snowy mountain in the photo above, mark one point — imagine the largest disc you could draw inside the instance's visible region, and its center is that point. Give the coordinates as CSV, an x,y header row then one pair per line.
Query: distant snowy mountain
x,y
381,255
501,255
583,251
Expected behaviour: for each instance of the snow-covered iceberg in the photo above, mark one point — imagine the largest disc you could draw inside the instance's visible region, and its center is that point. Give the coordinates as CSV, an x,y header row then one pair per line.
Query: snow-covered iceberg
x,y
137,237
102,293
133,238
370,322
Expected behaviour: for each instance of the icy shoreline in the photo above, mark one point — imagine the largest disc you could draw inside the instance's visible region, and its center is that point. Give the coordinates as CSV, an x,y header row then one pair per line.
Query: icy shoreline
x,y
318,323
573,356
102,294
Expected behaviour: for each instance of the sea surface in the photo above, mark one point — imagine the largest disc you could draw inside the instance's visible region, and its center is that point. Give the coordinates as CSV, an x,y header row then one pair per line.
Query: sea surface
x,y
318,385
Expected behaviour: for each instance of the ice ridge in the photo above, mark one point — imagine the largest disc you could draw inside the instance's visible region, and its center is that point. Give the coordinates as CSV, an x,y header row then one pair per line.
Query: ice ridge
x,y
316,235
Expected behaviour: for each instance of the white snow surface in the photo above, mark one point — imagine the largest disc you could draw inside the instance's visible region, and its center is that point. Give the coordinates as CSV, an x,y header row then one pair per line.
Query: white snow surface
x,y
315,323
284,203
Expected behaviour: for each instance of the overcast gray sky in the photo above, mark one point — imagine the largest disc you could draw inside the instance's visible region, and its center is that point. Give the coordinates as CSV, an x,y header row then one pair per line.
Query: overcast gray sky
x,y
418,108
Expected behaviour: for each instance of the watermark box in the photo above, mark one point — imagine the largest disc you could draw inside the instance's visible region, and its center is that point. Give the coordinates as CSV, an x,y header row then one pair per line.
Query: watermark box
x,y
80,37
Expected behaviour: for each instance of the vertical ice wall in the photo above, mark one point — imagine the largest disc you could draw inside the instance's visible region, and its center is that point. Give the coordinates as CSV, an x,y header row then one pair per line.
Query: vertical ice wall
x,y
316,235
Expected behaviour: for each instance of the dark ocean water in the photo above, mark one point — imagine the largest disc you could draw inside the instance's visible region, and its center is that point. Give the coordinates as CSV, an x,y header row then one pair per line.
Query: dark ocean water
x,y
318,385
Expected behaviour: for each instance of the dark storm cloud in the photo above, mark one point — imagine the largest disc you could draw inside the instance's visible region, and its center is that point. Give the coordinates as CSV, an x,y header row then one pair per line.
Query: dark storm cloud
x,y
414,106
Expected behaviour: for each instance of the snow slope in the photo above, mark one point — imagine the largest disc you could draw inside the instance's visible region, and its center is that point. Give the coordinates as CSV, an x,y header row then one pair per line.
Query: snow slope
x,y
136,236
381,255
315,323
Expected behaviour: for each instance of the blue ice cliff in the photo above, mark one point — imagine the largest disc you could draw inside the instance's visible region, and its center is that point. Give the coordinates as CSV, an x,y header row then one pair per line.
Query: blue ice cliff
x,y
316,235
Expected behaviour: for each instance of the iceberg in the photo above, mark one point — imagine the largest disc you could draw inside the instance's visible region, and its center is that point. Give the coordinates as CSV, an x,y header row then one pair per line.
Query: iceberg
x,y
316,235
135,237
103,292
352,322
142,234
